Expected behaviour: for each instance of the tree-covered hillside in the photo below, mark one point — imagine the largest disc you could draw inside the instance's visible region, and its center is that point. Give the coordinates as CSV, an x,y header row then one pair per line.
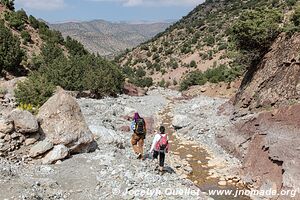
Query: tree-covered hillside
x,y
28,47
215,42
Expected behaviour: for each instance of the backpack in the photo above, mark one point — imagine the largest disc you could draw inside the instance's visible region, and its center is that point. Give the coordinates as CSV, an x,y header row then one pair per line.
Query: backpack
x,y
163,144
140,127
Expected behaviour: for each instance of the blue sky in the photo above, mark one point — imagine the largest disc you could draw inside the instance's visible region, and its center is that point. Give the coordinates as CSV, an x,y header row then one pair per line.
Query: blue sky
x,y
111,10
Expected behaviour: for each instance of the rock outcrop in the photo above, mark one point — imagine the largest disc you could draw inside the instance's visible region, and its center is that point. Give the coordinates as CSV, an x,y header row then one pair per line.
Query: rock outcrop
x,y
275,81
63,123
268,146
133,90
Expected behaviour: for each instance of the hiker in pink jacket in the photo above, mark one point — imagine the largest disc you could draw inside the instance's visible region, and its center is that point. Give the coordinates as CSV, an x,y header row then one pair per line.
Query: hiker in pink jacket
x,y
160,146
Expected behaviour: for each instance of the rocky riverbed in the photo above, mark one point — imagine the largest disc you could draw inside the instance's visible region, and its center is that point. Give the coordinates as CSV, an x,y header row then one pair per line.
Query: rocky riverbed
x,y
195,165
112,171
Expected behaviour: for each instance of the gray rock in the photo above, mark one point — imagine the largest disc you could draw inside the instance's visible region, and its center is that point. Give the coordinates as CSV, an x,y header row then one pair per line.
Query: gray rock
x,y
40,148
181,121
24,121
104,135
6,126
291,174
57,153
63,123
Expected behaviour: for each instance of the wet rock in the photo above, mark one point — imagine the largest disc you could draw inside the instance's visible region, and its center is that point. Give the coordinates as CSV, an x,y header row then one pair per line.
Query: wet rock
x,y
24,121
57,153
40,148
63,123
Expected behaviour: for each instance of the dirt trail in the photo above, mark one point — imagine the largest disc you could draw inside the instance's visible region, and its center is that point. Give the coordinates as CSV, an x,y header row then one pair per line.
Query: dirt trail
x,y
197,157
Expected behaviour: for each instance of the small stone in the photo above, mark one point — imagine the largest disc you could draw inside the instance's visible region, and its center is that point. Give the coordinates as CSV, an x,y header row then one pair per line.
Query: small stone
x,y
222,183
2,135
30,141
7,138
14,135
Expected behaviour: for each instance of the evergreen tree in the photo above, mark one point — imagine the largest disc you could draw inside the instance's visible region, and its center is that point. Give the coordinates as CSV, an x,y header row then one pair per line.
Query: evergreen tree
x,y
10,51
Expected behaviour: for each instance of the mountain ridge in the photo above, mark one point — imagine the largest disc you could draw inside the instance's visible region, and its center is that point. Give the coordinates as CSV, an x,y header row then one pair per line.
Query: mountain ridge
x,y
109,38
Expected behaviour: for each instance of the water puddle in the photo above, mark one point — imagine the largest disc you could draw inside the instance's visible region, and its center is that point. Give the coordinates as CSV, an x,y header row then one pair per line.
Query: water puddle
x,y
198,159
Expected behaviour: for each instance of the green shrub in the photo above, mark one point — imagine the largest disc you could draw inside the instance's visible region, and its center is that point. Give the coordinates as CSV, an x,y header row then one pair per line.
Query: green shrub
x,y
15,20
296,17
103,78
193,64
145,47
50,36
209,40
8,3
257,29
291,2
36,90
162,83
143,82
140,72
28,107
51,51
33,22
26,37
10,52
218,74
74,47
193,78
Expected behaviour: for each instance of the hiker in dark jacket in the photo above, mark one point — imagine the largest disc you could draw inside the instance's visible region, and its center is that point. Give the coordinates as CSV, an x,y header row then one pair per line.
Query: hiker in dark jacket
x,y
160,146
138,126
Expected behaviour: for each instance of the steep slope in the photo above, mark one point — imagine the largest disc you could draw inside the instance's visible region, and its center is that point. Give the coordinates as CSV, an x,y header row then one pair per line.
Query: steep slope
x,y
275,81
107,38
201,40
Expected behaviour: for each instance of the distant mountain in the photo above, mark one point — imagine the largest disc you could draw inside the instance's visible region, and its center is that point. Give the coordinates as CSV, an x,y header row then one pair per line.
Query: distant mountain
x,y
110,38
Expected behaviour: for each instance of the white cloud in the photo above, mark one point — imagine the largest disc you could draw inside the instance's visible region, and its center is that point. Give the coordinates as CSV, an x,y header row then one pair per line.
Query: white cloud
x,y
154,3
41,4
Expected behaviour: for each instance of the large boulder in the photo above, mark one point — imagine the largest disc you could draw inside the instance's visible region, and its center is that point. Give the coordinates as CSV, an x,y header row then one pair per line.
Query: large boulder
x,y
57,153
63,123
24,121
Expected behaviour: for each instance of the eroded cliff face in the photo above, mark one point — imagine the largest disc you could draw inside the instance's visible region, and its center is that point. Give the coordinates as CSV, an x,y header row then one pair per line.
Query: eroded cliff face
x,y
275,81
267,139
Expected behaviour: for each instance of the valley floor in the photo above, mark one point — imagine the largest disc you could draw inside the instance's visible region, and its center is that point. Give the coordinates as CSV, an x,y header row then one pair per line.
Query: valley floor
x,y
113,172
